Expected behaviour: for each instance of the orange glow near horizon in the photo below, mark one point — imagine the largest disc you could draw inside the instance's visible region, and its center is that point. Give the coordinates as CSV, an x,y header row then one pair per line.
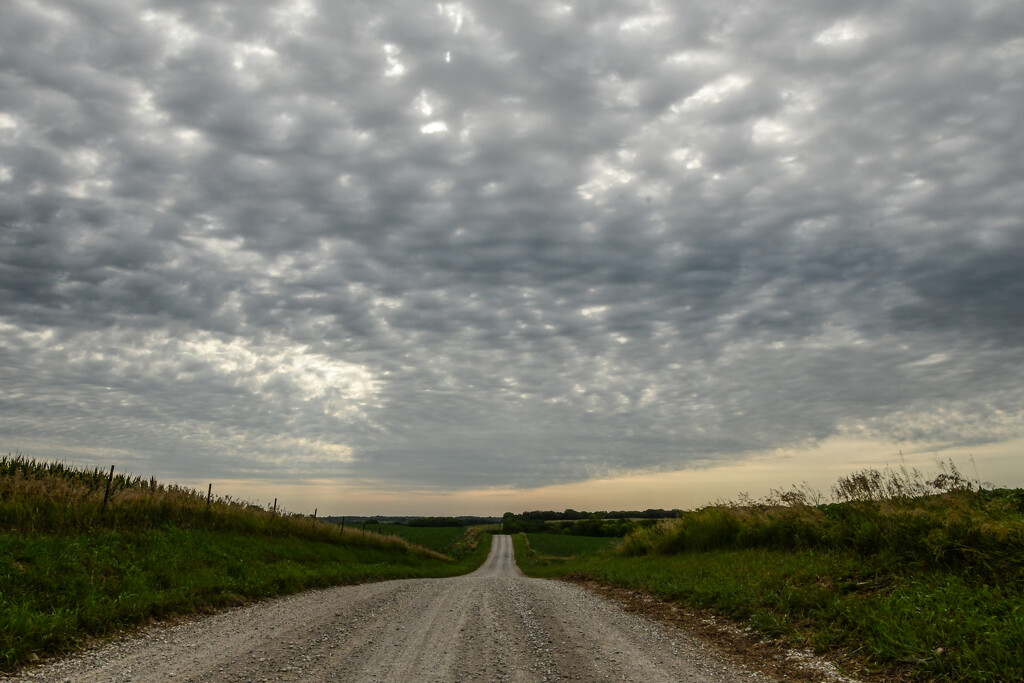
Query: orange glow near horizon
x,y
755,476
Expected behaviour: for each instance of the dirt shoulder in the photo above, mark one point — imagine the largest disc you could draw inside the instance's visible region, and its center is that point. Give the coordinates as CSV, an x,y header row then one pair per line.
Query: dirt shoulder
x,y
775,658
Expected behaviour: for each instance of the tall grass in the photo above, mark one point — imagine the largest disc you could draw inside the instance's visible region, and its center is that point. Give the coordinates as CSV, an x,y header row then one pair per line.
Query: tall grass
x,y
53,498
943,522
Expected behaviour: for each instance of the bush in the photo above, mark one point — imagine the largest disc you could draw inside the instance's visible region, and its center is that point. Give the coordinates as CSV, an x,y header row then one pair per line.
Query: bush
x,y
943,523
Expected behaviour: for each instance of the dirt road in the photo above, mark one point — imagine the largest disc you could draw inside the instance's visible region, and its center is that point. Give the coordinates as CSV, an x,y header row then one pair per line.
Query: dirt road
x,y
492,625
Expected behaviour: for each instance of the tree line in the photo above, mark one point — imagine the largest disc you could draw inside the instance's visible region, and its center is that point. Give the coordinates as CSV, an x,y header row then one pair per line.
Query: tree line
x,y
578,523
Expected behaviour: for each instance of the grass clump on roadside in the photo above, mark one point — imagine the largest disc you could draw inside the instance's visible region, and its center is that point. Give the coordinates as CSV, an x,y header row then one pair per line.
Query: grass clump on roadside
x,y
70,569
921,577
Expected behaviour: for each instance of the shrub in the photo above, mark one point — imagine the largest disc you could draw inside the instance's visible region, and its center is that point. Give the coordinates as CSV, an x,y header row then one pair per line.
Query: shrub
x,y
943,523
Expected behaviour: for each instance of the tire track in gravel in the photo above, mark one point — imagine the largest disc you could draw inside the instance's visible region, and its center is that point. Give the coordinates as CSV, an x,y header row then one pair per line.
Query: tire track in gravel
x,y
492,625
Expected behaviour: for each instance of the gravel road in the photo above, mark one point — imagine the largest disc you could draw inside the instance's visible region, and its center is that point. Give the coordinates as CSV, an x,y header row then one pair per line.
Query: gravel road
x,y
492,625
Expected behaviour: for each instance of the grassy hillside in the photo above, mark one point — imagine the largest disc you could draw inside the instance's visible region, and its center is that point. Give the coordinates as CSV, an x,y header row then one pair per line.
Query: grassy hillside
x,y
920,578
71,567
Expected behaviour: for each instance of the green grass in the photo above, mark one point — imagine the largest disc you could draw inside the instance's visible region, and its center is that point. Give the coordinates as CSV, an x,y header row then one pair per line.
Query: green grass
x,y
931,623
440,539
70,569
55,590
563,546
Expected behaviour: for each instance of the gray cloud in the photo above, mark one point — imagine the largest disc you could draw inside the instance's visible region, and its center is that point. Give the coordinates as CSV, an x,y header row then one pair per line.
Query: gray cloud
x,y
446,244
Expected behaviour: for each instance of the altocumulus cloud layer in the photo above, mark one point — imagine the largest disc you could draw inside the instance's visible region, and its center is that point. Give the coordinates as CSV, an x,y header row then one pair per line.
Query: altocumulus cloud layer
x,y
506,242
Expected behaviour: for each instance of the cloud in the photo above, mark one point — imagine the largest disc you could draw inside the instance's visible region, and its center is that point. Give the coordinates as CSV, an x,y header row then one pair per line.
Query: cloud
x,y
458,244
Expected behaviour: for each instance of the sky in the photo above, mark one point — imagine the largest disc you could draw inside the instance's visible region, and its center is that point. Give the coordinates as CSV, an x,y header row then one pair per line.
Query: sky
x,y
407,257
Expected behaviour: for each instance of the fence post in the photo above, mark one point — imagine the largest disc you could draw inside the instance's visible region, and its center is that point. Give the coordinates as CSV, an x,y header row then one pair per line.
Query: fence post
x,y
314,512
106,496
209,494
342,525
275,506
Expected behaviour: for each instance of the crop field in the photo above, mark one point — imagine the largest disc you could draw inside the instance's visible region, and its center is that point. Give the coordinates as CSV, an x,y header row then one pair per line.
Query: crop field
x,y
561,545
440,538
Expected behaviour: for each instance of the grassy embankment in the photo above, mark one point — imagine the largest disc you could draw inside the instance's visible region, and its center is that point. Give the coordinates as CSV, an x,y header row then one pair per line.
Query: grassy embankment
x,y
70,569
924,579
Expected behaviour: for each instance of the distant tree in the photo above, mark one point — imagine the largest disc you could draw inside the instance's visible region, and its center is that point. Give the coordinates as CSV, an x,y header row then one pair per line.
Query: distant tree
x,y
435,521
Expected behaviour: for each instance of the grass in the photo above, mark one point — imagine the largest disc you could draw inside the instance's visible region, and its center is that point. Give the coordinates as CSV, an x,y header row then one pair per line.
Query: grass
x,y
918,578
554,548
934,625
71,570
441,538
45,497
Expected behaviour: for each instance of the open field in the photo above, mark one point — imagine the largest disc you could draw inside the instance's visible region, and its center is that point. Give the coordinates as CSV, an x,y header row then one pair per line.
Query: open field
x,y
555,546
903,582
71,569
440,539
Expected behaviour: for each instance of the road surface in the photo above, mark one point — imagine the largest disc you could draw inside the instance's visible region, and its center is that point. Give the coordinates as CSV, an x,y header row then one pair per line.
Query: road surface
x,y
491,625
